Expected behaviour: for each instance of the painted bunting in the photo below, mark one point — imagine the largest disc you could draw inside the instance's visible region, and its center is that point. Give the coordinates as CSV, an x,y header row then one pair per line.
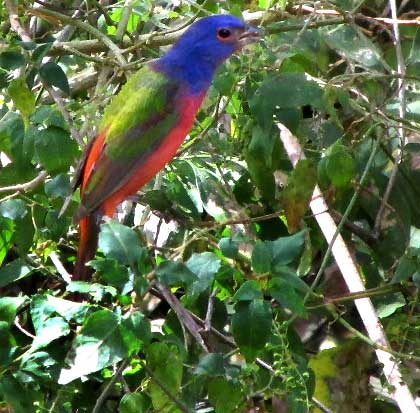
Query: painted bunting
x,y
147,121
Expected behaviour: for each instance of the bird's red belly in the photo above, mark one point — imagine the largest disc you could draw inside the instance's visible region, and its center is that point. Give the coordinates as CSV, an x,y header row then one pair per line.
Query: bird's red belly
x,y
159,157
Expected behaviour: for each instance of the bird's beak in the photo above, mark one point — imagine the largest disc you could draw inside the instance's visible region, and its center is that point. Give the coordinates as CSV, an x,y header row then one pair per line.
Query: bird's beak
x,y
250,35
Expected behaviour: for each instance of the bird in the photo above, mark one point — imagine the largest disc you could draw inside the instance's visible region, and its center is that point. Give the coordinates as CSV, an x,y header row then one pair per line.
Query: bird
x,y
146,122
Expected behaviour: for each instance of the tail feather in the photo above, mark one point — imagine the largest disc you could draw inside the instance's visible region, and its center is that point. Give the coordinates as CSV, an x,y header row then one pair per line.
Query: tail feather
x,y
89,232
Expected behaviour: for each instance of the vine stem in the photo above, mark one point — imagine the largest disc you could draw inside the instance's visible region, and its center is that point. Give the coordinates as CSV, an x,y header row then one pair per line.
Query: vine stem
x,y
400,391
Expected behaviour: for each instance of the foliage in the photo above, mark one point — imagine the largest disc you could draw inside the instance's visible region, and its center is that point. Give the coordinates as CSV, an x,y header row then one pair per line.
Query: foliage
x,y
221,244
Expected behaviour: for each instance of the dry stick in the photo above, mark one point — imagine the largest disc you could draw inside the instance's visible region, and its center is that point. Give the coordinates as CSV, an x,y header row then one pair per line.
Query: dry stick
x,y
351,275
46,13
183,315
11,7
27,186
401,112
125,15
101,399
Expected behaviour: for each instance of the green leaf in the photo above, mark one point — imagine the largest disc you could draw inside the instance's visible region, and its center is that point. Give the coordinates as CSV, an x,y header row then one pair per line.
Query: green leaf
x,y
13,209
225,395
173,273
20,398
166,364
22,97
134,403
114,274
248,291
285,249
339,165
7,228
120,243
53,75
406,268
286,295
11,126
353,44
55,149
251,327
261,257
11,60
48,116
97,291
211,365
205,267
47,306
285,91
14,271
58,187
7,344
9,307
228,247
104,339
50,330
296,196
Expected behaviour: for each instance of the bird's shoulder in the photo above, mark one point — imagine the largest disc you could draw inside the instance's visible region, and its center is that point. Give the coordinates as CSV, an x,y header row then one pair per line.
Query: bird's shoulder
x,y
146,93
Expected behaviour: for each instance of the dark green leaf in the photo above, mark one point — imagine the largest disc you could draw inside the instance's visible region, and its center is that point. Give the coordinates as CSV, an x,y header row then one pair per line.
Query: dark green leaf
x,y
228,247
58,187
251,327
354,45
406,268
53,75
55,149
285,249
248,291
211,365
225,395
120,243
14,271
6,232
172,273
23,98
298,193
205,267
134,403
48,116
13,209
286,295
10,60
104,339
166,365
9,307
261,258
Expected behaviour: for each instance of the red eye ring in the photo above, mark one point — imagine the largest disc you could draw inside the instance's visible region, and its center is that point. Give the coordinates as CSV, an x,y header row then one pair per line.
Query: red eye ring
x,y
223,33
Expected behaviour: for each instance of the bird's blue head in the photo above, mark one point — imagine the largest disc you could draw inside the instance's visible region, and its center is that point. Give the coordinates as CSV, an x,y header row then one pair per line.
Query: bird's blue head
x,y
203,47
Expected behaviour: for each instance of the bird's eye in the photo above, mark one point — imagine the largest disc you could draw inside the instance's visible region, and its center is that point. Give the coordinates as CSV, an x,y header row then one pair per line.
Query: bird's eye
x,y
224,34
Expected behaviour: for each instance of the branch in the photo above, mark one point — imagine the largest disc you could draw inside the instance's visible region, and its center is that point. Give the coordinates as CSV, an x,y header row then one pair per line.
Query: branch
x,y
28,186
101,399
351,275
11,7
45,14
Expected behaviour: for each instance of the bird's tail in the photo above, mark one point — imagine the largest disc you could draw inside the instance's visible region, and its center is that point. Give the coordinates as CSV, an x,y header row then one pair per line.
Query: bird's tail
x,y
89,232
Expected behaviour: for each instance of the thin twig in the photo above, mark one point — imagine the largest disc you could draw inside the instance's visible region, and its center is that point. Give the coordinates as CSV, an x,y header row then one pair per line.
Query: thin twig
x,y
401,112
11,7
125,15
27,186
183,315
210,309
43,13
164,388
103,396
